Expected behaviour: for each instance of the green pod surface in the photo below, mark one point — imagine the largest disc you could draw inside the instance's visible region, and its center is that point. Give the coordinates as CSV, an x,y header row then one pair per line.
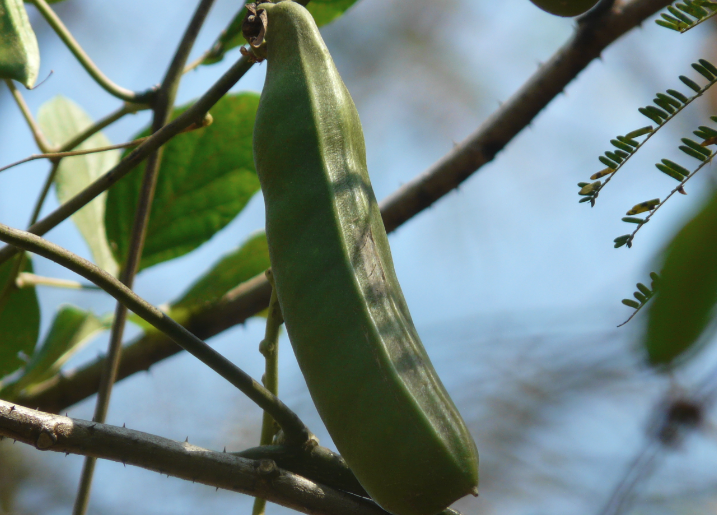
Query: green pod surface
x,y
366,369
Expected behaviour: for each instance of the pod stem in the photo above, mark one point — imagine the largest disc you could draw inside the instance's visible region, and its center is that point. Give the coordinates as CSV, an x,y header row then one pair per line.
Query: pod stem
x,y
269,348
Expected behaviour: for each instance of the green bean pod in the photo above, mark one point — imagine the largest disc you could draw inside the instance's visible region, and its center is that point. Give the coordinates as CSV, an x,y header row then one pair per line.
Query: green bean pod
x,y
366,369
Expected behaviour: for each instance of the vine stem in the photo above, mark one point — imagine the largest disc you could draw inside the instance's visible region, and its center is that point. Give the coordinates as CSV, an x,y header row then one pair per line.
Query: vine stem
x,y
162,107
105,83
293,427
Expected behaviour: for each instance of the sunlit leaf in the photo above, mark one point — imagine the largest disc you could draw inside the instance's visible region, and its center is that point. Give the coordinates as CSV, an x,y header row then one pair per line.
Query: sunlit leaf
x,y
206,178
61,120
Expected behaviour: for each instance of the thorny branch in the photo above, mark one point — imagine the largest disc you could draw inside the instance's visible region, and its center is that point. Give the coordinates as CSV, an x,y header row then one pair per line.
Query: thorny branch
x,y
259,478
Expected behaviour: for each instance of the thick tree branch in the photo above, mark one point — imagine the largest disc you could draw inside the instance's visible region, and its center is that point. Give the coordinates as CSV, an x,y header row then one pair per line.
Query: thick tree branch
x,y
259,478
591,37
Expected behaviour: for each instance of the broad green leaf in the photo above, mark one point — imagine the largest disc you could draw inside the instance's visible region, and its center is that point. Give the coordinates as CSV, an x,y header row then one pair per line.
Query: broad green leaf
x,y
19,321
206,178
684,306
323,11
19,53
70,331
251,259
61,120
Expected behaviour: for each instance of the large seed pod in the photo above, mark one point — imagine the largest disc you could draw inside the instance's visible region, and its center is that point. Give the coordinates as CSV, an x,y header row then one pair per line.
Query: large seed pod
x,y
367,371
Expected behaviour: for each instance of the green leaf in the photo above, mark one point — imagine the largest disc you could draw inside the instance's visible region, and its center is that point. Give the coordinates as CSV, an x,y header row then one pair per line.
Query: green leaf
x,y
249,260
206,178
70,331
323,11
326,11
61,120
19,53
684,305
19,321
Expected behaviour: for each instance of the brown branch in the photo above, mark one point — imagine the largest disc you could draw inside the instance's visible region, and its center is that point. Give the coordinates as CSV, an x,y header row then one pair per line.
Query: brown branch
x,y
590,38
258,478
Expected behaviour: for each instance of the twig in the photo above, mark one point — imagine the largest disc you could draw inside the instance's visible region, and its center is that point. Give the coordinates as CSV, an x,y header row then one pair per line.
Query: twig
x,y
127,108
294,429
260,478
71,153
37,134
56,156
110,87
194,115
678,188
43,194
28,280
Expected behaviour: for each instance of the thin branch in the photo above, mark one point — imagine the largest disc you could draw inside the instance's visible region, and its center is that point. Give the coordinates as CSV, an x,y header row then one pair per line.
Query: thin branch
x,y
592,36
679,188
71,153
45,191
294,429
194,114
162,107
110,87
37,134
127,108
259,478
